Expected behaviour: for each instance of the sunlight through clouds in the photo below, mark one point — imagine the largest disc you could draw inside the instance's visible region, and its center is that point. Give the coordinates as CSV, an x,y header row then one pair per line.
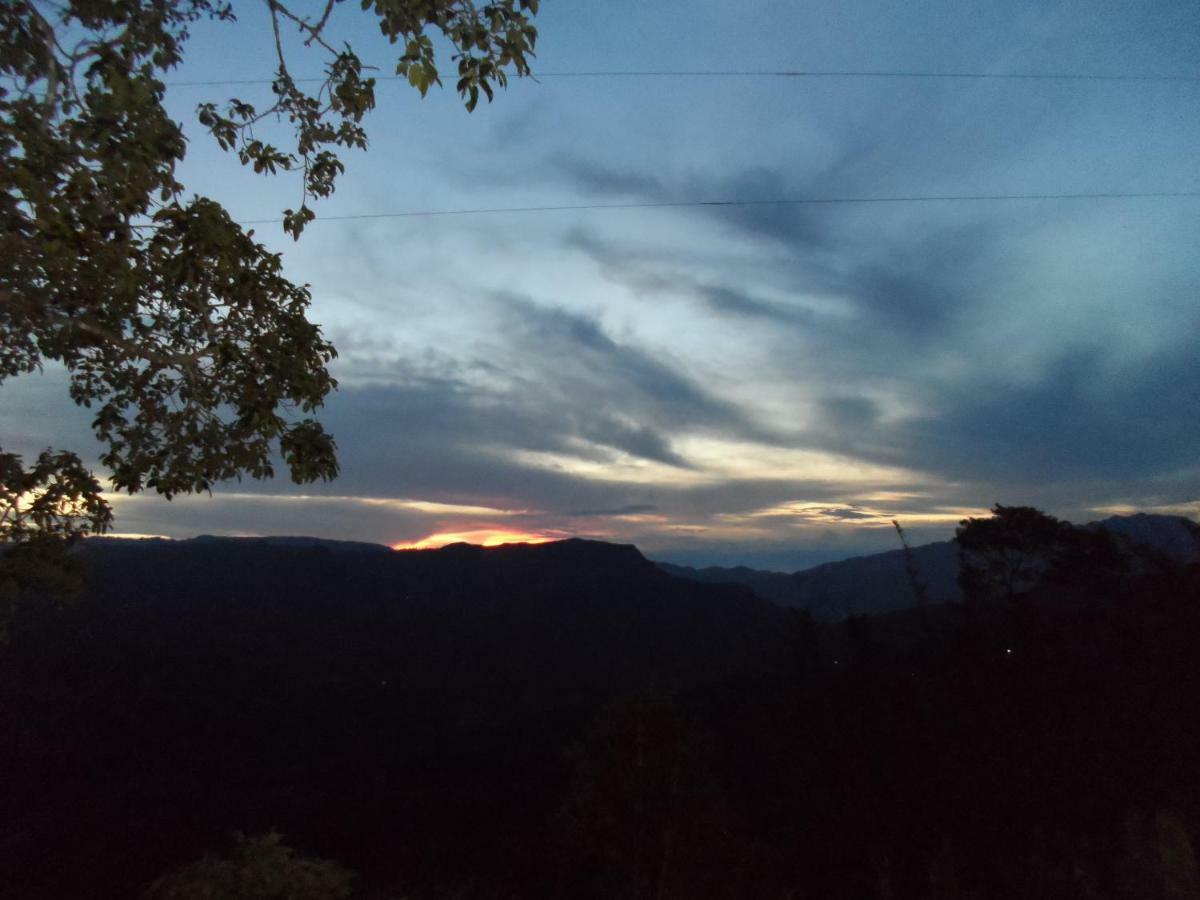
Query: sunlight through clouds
x,y
735,378
484,537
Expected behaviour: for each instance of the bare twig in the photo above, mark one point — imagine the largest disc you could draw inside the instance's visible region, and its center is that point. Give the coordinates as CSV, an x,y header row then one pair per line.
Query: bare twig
x,y
314,31
920,594
320,26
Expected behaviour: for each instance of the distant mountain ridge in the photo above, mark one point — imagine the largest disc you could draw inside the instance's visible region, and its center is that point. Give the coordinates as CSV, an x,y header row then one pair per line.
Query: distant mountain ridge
x,y
861,585
878,582
264,540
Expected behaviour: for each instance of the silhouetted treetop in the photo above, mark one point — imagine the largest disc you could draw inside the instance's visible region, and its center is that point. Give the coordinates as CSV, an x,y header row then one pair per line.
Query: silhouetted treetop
x,y
259,867
1008,553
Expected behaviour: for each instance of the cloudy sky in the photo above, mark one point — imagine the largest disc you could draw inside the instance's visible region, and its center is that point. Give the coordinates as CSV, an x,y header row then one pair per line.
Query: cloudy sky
x,y
766,384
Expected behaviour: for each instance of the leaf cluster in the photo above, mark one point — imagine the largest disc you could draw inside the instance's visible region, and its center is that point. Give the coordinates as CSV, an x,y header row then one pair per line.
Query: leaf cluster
x,y
44,508
487,41
1009,552
178,329
1020,548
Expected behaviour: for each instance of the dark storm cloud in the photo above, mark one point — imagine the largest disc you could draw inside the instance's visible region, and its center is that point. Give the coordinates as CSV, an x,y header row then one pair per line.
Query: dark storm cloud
x,y
798,226
629,509
1084,420
580,370
759,186
449,442
842,513
563,386
729,301
850,413
595,178
917,291
392,447
910,284
450,430
647,274
637,440
1095,417
1081,420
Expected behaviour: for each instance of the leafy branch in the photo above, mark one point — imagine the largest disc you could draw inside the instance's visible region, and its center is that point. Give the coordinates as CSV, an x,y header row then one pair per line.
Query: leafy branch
x,y
175,325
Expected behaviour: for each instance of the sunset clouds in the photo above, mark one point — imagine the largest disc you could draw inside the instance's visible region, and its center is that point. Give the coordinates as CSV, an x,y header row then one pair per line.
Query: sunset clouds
x,y
767,384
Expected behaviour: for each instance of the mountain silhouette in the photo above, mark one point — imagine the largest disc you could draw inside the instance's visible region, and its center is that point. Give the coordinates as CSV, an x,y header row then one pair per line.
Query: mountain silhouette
x,y
443,719
878,583
437,626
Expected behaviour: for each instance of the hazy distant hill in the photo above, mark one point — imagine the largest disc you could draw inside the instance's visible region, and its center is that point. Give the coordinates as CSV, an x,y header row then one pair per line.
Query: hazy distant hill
x,y
862,584
778,587
1175,537
95,543
878,582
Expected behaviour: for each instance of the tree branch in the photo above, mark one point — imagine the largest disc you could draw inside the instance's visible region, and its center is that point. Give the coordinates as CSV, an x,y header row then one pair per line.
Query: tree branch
x,y
320,26
174,360
50,41
314,31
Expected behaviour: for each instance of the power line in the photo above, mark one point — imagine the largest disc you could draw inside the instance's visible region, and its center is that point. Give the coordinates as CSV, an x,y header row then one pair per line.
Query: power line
x,y
773,73
850,73
798,201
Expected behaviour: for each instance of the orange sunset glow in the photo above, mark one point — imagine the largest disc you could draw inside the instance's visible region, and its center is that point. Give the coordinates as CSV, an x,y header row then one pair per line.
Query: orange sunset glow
x,y
484,537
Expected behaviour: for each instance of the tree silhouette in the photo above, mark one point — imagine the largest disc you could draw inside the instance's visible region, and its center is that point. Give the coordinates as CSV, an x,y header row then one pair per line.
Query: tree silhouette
x,y
43,509
178,328
1009,553
259,867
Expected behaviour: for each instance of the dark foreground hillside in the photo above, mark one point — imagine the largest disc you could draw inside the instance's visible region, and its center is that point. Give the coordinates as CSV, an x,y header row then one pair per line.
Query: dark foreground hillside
x,y
569,721
404,712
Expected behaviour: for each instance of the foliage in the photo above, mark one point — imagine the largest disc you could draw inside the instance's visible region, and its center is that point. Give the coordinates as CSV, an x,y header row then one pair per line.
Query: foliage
x,y
177,327
1020,548
911,572
1009,553
43,509
55,496
260,867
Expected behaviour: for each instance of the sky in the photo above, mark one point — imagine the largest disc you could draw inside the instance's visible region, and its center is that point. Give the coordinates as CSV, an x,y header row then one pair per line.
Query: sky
x,y
761,385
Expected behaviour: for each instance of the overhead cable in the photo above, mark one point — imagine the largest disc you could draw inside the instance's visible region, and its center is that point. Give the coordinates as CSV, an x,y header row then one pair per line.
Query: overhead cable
x,y
772,73
790,201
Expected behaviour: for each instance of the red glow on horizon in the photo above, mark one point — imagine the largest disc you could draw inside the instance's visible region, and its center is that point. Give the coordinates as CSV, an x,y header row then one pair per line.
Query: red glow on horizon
x,y
484,537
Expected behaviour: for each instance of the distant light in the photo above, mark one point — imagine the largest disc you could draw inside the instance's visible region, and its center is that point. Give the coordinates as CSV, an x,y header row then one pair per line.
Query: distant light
x,y
1009,650
134,536
484,537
